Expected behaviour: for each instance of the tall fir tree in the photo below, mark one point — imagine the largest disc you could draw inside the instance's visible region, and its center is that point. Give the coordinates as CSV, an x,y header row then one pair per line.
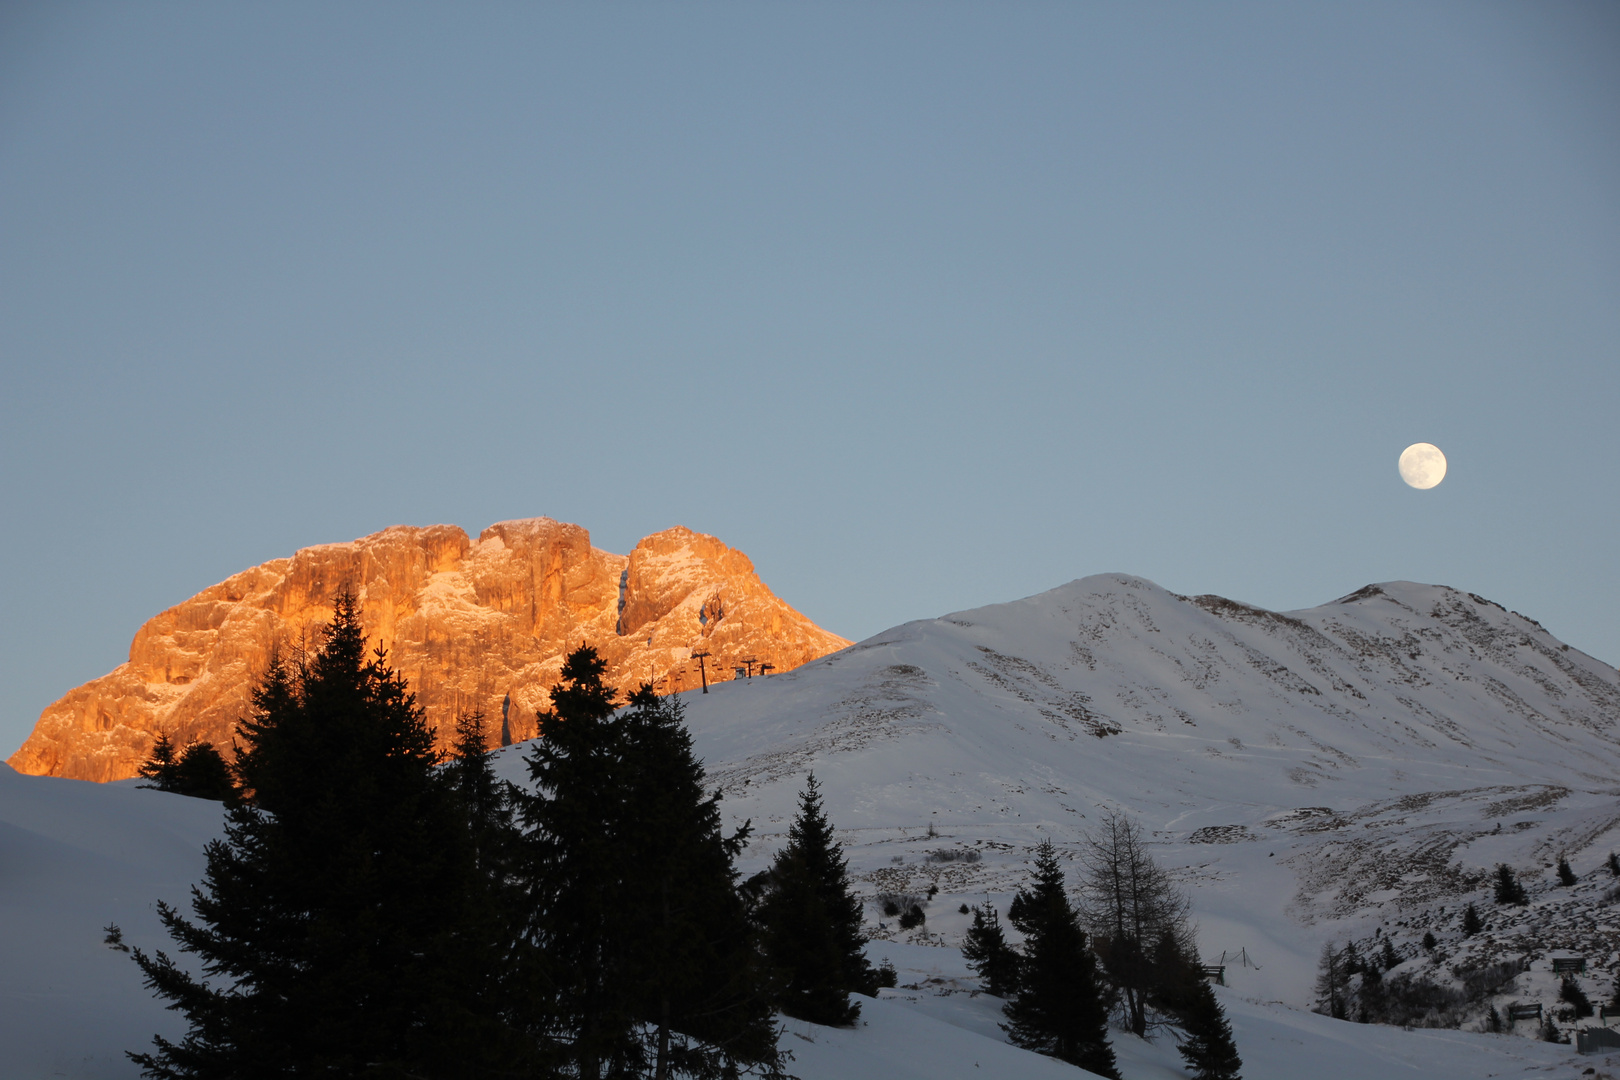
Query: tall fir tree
x,y
1059,1008
989,956
632,885
811,922
699,980
573,868
334,917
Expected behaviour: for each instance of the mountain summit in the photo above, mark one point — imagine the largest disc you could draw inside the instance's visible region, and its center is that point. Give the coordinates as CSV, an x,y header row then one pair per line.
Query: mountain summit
x,y
472,624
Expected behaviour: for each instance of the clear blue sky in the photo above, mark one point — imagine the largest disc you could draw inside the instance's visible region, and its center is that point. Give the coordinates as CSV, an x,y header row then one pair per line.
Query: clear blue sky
x,y
924,306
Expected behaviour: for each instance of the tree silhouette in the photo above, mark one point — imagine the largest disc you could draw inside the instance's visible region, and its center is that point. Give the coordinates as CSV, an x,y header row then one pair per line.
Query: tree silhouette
x,y
812,921
336,923
1058,1009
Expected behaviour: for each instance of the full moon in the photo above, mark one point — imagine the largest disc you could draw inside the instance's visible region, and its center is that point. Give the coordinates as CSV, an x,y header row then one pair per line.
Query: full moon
x,y
1423,465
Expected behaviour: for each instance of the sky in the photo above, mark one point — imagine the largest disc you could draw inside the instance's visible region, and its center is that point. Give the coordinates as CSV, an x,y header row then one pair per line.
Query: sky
x,y
923,306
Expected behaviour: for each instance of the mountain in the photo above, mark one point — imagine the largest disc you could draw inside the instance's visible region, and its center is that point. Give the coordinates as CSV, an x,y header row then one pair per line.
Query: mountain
x,y
473,625
1340,772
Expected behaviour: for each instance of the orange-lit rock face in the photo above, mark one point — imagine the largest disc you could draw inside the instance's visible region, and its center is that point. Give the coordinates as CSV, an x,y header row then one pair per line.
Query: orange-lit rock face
x,y
472,625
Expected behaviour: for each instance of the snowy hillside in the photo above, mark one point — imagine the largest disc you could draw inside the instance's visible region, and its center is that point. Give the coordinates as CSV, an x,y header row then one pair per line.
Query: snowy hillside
x,y
1312,774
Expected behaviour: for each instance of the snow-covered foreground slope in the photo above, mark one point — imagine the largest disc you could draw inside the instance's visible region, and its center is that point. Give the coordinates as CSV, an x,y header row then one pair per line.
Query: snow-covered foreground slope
x,y
74,857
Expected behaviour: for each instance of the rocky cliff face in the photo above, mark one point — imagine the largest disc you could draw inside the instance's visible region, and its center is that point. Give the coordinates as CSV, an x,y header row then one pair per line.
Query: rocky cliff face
x,y
472,624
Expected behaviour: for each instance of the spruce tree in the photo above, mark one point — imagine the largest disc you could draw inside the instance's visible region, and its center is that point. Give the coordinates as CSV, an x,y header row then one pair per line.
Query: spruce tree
x,y
202,773
640,924
989,956
334,917
1508,888
1566,876
811,922
1208,1048
1059,1008
698,980
574,869
1570,992
1471,922
159,764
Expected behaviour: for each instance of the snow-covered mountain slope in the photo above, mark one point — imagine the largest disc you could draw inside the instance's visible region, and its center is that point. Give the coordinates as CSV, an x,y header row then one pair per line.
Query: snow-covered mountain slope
x,y
1309,774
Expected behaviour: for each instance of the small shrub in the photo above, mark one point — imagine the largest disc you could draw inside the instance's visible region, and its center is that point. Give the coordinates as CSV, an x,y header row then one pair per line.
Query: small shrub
x,y
1428,941
1483,982
892,904
963,910
913,918
1614,864
933,890
966,855
886,975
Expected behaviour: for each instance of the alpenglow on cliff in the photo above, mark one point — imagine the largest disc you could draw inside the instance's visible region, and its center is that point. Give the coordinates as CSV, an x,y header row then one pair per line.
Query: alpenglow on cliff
x,y
473,625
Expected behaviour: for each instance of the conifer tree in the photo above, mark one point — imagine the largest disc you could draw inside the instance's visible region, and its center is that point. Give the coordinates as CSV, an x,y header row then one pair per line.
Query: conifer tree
x,y
1508,888
1471,922
1566,876
159,764
334,918
1613,863
202,773
989,956
698,979
1570,992
574,872
1059,1008
1332,982
636,907
811,922
1208,1048
1130,905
